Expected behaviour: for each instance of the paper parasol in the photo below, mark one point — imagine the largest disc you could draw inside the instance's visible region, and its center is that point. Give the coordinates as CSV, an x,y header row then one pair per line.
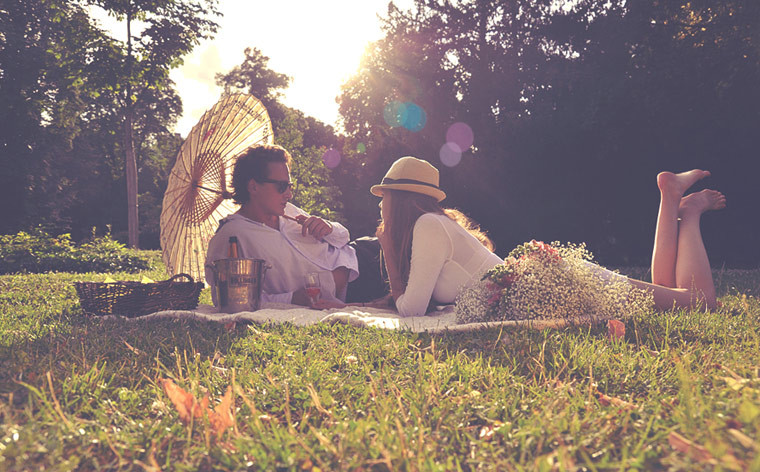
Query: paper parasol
x,y
199,191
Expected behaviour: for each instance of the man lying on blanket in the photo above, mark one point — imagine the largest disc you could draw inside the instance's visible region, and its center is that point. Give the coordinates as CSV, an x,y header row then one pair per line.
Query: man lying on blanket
x,y
293,242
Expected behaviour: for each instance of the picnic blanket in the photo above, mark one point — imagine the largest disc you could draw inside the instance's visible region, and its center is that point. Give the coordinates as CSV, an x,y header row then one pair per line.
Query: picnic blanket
x,y
440,320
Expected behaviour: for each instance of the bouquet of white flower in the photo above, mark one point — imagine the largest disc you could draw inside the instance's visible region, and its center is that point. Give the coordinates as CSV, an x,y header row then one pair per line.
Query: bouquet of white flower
x,y
540,281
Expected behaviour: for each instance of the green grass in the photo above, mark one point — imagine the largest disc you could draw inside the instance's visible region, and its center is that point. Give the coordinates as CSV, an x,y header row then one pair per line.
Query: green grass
x,y
80,392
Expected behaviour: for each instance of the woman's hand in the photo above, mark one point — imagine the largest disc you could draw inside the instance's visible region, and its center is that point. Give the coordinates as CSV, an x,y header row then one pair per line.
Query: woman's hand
x,y
386,301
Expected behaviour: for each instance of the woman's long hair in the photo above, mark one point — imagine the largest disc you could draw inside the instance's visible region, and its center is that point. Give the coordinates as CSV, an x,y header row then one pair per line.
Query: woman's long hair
x,y
406,208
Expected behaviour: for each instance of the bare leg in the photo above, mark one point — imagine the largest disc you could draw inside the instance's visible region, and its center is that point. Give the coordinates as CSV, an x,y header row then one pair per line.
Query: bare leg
x,y
665,253
692,266
694,283
666,298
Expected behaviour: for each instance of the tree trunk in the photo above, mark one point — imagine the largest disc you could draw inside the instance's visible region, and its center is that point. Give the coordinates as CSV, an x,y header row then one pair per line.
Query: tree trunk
x,y
129,148
131,167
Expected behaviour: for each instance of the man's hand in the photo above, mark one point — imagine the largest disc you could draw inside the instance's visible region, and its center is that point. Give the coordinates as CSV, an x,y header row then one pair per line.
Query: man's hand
x,y
322,304
315,226
300,297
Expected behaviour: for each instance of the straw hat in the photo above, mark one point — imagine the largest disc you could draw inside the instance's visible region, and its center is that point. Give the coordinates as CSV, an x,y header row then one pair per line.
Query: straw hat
x,y
413,175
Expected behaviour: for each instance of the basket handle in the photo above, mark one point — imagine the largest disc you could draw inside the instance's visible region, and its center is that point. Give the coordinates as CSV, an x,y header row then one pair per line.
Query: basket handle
x,y
172,279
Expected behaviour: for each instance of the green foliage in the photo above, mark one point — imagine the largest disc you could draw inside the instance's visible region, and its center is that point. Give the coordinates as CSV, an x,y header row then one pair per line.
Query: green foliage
x,y
313,189
55,64
575,107
38,252
62,93
79,392
254,76
305,137
172,28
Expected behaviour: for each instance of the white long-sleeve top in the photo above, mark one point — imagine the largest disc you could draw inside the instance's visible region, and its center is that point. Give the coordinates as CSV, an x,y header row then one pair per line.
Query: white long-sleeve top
x,y
445,259
290,254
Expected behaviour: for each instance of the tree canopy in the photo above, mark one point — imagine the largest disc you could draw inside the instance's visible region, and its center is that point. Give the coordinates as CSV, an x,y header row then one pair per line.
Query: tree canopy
x,y
574,108
63,89
306,138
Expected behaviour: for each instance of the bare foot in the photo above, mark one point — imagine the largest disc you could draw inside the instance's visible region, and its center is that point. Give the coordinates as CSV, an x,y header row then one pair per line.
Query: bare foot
x,y
700,202
675,185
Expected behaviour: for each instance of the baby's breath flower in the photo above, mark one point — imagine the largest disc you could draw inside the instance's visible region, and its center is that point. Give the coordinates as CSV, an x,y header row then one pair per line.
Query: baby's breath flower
x,y
549,281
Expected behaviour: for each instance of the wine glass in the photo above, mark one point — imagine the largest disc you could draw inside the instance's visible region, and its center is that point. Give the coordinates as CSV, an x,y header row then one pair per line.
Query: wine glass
x,y
312,286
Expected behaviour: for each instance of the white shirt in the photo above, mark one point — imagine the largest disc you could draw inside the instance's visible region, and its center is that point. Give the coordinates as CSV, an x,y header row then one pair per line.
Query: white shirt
x,y
290,255
445,259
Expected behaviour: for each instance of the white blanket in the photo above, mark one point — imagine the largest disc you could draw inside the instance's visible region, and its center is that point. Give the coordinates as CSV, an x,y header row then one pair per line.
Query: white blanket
x,y
434,322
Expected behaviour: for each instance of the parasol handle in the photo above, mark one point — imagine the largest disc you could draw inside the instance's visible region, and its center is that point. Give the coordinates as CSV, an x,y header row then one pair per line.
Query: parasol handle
x,y
225,194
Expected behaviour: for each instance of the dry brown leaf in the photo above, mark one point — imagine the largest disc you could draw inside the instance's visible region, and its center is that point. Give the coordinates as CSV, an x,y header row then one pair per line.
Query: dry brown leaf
x,y
257,332
221,416
185,403
147,467
650,351
735,384
133,349
732,373
691,449
315,398
323,440
152,465
729,461
743,439
188,407
615,330
607,400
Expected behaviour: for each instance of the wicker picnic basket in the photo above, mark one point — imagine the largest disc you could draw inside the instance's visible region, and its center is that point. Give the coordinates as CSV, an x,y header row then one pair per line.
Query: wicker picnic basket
x,y
133,299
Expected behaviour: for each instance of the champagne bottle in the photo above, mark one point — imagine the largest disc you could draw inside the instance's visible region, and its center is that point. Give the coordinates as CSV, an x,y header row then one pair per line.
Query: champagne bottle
x,y
232,251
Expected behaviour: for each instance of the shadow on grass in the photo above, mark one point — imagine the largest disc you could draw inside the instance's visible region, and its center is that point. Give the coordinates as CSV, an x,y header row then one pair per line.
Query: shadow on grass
x,y
127,349
133,352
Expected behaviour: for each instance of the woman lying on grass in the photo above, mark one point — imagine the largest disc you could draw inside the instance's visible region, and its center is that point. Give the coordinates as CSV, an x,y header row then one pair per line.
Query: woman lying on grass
x,y
432,253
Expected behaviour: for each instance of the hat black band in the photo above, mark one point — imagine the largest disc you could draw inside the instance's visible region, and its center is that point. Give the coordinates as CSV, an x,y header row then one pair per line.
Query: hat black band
x,y
388,180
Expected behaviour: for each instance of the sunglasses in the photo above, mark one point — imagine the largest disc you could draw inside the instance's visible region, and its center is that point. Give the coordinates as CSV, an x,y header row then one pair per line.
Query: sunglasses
x,y
282,186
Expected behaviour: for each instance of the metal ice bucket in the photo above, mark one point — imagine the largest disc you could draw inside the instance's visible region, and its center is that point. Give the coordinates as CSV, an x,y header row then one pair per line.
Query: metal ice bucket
x,y
238,284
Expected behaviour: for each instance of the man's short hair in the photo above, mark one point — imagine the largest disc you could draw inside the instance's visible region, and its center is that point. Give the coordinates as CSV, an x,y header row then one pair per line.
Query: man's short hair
x,y
254,164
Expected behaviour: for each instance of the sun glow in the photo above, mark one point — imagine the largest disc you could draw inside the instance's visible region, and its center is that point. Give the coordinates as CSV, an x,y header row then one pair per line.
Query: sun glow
x,y
318,44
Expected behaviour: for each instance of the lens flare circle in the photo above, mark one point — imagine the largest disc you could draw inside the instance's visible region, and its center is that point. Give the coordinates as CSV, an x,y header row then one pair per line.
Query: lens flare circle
x,y
331,158
461,134
407,115
450,154
394,114
415,119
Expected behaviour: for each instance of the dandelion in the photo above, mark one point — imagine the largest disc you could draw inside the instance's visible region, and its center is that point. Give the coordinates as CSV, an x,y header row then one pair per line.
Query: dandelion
x,y
540,281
